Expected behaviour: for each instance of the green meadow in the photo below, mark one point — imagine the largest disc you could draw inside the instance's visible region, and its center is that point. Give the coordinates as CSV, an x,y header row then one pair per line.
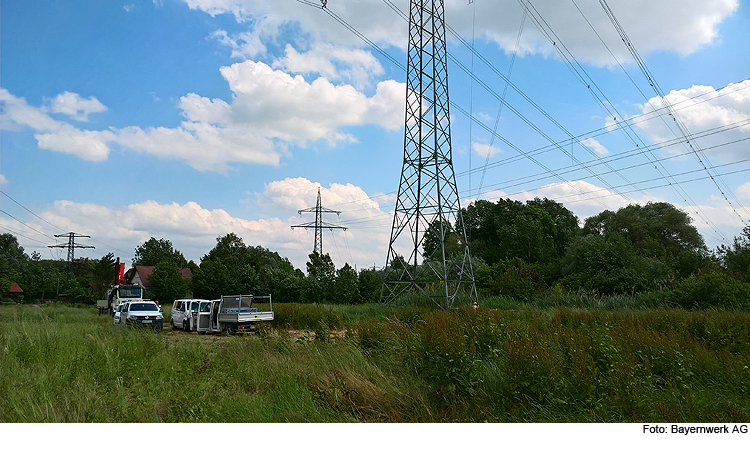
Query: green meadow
x,y
618,362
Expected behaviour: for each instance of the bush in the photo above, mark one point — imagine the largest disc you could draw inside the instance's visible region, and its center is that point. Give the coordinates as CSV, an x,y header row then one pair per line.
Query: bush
x,y
712,290
511,278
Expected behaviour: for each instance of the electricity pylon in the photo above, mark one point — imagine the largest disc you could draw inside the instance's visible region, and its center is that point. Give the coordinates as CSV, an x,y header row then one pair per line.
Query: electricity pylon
x,y
318,225
427,220
71,246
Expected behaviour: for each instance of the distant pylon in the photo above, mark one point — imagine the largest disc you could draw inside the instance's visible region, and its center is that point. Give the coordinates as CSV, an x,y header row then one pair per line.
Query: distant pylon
x,y
71,246
318,225
427,193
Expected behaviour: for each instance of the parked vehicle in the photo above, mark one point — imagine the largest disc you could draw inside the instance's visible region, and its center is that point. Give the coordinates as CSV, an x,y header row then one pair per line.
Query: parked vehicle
x,y
116,294
185,314
117,313
232,314
142,313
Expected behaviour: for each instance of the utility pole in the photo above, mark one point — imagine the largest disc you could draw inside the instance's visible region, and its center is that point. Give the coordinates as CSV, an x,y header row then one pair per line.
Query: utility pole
x,y
318,225
71,246
428,205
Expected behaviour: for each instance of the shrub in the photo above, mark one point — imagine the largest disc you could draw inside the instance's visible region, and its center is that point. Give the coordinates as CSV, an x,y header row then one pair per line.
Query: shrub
x,y
712,290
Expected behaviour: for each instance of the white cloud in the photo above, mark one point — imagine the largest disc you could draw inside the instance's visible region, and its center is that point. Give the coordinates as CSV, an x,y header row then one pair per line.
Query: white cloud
x,y
202,109
682,26
354,65
3,180
485,150
269,110
129,7
582,198
698,115
75,106
244,45
193,229
595,145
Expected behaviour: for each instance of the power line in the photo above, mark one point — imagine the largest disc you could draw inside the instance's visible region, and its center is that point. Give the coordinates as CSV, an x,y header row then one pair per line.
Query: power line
x,y
657,89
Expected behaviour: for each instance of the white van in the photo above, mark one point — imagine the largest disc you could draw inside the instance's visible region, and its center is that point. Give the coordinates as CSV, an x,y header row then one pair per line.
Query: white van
x,y
185,314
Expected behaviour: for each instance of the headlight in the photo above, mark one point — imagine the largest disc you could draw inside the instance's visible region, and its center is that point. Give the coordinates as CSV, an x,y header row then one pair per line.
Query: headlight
x,y
159,317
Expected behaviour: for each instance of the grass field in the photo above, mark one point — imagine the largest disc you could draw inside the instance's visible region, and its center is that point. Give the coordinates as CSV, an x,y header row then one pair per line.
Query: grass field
x,y
374,363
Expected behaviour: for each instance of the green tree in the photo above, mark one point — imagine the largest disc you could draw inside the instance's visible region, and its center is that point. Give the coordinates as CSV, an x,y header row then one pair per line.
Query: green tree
x,y
229,268
736,259
369,284
610,265
13,262
166,283
657,230
154,251
321,276
346,287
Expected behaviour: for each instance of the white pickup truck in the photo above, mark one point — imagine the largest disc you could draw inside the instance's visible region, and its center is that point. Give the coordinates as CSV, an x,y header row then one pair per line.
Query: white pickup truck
x,y
237,313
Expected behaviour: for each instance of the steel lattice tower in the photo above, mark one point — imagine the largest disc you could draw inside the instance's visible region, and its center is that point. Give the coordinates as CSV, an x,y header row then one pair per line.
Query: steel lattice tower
x,y
71,246
318,225
427,210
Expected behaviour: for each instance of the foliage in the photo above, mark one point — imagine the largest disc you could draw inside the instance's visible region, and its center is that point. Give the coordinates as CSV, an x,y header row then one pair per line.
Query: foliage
x,y
512,278
346,286
154,251
320,281
537,231
712,290
610,265
13,262
231,267
657,230
166,283
736,259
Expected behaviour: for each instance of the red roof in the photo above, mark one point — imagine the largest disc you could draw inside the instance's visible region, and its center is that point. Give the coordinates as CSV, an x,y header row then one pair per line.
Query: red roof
x,y
14,288
144,272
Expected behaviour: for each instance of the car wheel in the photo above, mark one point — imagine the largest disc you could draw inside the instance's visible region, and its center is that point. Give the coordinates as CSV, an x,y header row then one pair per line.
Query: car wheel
x,y
201,332
186,326
229,330
171,323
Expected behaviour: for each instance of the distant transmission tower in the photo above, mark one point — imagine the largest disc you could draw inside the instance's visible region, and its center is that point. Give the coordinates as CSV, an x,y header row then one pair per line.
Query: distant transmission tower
x,y
71,246
318,225
427,221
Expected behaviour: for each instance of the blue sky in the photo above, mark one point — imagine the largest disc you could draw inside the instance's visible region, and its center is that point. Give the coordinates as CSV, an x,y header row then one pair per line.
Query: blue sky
x,y
191,119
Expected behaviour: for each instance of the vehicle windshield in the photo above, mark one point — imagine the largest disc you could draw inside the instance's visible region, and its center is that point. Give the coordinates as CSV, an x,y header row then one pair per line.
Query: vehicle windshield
x,y
130,292
145,307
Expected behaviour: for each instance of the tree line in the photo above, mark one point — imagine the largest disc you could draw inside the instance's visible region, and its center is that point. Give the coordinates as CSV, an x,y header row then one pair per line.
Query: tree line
x,y
522,250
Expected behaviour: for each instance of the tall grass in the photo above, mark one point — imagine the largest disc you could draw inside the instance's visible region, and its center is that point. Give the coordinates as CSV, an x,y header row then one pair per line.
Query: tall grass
x,y
60,364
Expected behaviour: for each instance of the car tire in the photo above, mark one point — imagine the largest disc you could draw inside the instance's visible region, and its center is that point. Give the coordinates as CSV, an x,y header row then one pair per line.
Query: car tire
x,y
186,326
171,323
201,332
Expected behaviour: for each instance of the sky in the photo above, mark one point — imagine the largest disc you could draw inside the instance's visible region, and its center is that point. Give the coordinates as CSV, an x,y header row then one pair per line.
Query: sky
x,y
190,119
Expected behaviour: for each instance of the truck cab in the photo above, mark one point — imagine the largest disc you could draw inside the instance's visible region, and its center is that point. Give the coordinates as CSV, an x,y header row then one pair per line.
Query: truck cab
x,y
117,294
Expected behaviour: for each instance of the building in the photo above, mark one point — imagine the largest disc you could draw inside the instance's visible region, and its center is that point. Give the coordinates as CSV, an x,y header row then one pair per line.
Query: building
x,y
140,275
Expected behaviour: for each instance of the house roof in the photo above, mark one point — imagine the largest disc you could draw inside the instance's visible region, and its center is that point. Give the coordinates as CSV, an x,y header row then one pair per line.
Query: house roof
x,y
144,272
15,288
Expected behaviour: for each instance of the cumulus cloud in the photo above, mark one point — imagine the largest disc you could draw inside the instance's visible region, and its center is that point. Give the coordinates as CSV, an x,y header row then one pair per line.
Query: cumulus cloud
x,y
269,110
75,106
595,145
726,107
335,63
682,26
193,228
